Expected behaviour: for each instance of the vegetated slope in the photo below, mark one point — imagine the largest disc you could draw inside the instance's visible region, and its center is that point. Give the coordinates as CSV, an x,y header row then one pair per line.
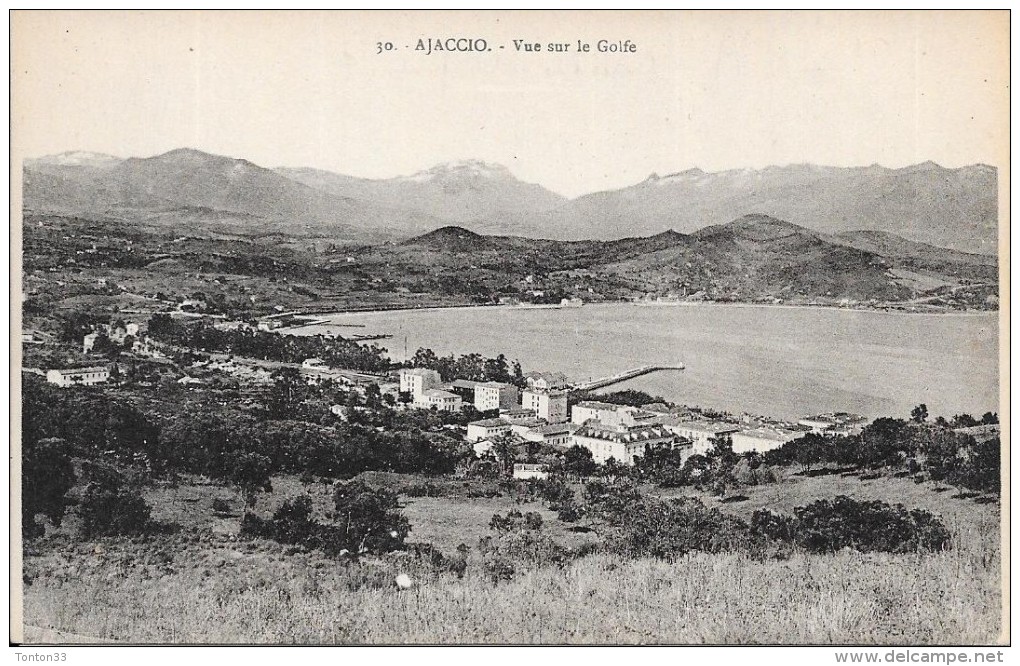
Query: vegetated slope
x,y
954,208
751,258
211,191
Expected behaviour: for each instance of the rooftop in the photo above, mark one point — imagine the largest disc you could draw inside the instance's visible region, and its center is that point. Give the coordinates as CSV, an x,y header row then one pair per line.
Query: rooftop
x,y
489,423
79,371
439,393
774,434
499,385
595,404
709,426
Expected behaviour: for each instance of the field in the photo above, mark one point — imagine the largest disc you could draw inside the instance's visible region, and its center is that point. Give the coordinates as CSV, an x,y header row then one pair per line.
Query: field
x,y
214,587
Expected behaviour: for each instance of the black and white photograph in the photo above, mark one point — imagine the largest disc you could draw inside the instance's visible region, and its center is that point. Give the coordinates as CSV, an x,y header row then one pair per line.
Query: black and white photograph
x,y
511,328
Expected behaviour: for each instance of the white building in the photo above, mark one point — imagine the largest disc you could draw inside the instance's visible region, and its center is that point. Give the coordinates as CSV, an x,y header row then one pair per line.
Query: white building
x,y
550,405
486,429
701,432
835,423
314,364
78,376
763,439
620,443
613,415
495,395
443,401
418,380
88,342
551,434
524,471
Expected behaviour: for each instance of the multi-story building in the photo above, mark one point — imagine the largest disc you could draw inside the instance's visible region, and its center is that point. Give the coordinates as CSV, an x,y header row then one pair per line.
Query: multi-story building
x,y
487,429
495,395
548,404
621,443
701,432
78,376
443,401
763,439
552,434
418,380
610,414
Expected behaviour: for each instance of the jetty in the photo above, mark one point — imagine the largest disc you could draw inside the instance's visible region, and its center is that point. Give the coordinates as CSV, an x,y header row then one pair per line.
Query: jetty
x,y
623,376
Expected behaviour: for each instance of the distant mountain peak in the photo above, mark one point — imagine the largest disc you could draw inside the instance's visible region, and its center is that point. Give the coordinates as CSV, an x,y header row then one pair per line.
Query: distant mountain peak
x,y
461,169
77,158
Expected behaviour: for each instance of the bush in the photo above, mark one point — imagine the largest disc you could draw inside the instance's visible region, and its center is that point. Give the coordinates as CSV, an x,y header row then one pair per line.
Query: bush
x,y
47,473
670,529
825,527
109,509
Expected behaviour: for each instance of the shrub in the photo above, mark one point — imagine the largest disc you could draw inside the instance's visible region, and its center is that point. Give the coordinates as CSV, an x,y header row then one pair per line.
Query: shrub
x,y
109,509
369,520
221,506
825,526
669,529
47,473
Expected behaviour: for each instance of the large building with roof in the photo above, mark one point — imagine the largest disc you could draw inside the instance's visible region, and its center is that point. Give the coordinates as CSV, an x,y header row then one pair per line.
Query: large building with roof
x,y
78,376
619,442
701,432
495,395
548,404
763,439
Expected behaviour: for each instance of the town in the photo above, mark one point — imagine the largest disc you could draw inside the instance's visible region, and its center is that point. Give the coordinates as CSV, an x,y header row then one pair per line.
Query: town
x,y
537,410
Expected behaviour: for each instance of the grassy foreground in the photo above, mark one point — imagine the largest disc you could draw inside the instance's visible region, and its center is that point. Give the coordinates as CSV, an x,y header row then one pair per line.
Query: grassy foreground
x,y
216,589
206,585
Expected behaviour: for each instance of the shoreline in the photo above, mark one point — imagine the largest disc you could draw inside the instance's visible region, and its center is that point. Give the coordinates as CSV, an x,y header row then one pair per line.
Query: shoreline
x,y
690,304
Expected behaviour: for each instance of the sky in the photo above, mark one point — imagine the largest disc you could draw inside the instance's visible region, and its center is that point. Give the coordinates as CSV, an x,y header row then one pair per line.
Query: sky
x,y
714,90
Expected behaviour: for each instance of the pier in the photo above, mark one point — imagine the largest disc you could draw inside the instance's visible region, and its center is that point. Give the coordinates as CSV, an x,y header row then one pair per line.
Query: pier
x,y
623,376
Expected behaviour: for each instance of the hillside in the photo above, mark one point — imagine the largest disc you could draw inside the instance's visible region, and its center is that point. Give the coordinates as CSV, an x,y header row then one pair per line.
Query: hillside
x,y
954,208
924,203
215,193
457,192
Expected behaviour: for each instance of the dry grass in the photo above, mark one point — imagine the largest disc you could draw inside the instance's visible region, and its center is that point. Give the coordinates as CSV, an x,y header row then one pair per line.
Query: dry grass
x,y
218,589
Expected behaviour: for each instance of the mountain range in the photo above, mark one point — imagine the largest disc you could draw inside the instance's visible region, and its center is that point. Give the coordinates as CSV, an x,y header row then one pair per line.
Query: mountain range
x,y
190,189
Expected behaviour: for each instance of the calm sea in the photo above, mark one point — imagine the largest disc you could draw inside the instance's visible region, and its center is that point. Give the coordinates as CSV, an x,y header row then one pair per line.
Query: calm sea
x,y
779,361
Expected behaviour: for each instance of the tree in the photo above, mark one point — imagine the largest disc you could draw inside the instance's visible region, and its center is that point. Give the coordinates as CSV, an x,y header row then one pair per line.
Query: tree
x,y
251,474
109,508
504,448
369,519
578,462
47,473
919,414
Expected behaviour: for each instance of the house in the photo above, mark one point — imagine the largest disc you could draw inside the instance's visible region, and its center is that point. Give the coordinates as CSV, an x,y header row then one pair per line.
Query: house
x,y
525,471
314,364
545,380
610,414
518,415
482,446
78,376
418,380
551,434
486,429
588,410
465,388
620,442
495,395
549,404
268,324
701,432
835,423
443,401
763,439
89,342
